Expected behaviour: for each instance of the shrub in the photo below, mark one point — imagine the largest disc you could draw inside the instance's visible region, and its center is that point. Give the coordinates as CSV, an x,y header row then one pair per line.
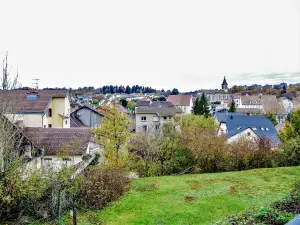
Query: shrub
x,y
103,186
279,213
86,157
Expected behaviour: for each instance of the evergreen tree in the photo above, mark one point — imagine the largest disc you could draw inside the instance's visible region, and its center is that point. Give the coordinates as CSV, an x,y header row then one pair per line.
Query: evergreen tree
x,y
232,106
204,106
196,109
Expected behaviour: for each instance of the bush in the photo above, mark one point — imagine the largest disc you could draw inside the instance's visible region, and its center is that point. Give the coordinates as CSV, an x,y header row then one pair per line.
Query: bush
x,y
279,213
103,186
182,160
95,161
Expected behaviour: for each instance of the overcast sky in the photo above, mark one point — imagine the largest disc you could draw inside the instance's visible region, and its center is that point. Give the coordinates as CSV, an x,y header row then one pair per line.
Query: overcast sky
x,y
164,44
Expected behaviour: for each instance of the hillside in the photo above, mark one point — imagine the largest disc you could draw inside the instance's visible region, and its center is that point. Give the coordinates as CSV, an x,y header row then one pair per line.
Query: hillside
x,y
195,199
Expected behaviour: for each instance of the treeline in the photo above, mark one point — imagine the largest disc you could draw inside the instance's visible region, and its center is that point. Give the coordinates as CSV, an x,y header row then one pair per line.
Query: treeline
x,y
119,89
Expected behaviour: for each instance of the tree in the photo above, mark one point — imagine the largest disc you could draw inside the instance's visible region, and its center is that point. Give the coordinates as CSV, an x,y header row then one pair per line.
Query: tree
x,y
7,82
291,128
295,121
164,145
196,107
131,105
232,107
113,134
272,117
141,146
201,106
175,91
123,102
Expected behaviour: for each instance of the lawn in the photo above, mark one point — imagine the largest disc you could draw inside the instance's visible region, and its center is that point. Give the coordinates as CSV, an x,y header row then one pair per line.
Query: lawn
x,y
195,199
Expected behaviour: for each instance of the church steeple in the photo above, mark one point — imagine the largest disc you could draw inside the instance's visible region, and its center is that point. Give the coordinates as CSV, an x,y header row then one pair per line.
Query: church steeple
x,y
224,85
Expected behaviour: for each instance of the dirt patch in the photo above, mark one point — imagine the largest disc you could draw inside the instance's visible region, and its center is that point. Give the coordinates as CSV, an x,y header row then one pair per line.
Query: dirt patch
x,y
194,185
146,187
189,198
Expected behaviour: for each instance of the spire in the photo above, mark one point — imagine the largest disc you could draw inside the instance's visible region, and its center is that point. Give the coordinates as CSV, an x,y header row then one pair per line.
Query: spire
x,y
224,81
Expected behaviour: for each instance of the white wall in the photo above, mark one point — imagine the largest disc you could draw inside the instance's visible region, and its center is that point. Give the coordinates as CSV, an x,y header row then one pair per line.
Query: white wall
x,y
247,134
149,122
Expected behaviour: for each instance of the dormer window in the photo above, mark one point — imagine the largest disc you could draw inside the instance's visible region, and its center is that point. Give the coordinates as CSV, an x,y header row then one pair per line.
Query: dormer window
x,y
32,96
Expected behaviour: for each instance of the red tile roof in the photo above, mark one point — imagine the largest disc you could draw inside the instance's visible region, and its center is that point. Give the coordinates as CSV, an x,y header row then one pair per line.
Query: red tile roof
x,y
180,100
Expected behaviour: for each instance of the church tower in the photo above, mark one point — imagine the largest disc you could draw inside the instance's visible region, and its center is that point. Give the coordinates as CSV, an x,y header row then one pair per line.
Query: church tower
x,y
224,85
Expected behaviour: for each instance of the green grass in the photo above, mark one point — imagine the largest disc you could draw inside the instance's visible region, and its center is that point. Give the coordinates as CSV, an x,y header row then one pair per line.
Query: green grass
x,y
195,199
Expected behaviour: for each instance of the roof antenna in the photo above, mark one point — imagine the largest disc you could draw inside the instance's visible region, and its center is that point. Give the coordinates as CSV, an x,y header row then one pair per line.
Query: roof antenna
x,y
36,84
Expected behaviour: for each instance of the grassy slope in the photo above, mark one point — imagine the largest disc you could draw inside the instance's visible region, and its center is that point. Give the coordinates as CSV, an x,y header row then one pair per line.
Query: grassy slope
x,y
162,200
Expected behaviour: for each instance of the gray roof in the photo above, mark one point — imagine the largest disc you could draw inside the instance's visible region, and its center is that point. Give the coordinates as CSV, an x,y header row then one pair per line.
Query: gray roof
x,y
261,126
160,111
56,140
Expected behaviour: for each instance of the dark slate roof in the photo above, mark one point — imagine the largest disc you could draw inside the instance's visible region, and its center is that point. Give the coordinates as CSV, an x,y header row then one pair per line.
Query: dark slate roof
x,y
55,140
162,104
142,103
223,116
224,81
90,108
260,125
160,111
18,102
75,122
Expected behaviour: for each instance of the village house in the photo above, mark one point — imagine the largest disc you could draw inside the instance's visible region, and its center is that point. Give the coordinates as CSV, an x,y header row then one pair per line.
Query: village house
x,y
86,116
151,115
262,105
37,108
59,147
183,102
237,127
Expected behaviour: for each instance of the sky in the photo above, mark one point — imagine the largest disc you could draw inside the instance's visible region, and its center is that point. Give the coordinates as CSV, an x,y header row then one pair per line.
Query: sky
x,y
189,45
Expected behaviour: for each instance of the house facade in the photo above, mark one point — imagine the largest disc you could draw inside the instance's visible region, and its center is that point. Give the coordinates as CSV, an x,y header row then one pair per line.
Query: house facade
x,y
87,116
59,147
182,102
151,117
38,108
236,127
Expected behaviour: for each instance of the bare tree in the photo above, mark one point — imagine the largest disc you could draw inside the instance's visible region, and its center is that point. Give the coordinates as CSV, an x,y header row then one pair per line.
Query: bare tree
x,y
7,82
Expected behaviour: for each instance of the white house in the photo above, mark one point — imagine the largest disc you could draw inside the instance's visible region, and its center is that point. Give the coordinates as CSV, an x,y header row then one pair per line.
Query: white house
x,y
183,102
59,147
236,127
151,115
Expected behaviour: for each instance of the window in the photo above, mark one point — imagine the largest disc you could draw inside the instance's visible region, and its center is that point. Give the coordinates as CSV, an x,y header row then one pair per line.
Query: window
x,y
44,126
155,119
49,125
165,118
32,97
157,127
50,112
67,161
66,122
144,127
267,128
248,133
254,128
143,118
170,117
